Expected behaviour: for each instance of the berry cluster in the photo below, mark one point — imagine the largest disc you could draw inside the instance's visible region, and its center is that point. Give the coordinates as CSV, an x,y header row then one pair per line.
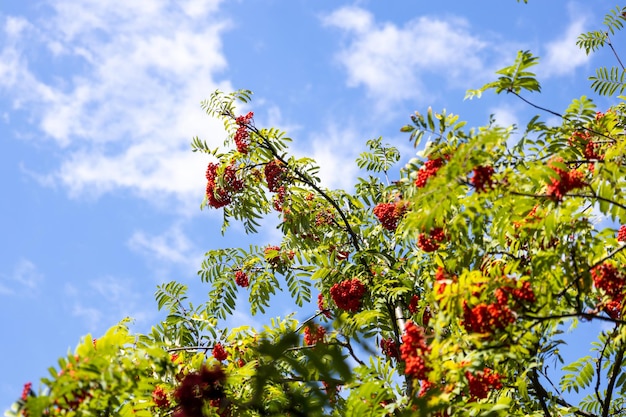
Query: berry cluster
x,y
198,388
241,279
607,278
414,350
219,353
429,169
481,383
583,139
390,348
313,336
441,280
413,304
482,179
430,242
568,180
321,306
425,386
219,193
486,318
324,217
275,175
159,396
26,390
521,292
390,213
276,257
621,234
347,294
242,134
279,198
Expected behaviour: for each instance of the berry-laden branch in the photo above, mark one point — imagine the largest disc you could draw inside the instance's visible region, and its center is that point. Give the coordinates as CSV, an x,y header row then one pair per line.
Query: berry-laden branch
x,y
268,146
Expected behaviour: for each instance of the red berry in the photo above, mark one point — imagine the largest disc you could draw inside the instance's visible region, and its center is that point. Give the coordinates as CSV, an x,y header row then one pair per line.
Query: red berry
x,y
481,383
241,279
414,350
482,178
219,353
429,169
347,294
159,396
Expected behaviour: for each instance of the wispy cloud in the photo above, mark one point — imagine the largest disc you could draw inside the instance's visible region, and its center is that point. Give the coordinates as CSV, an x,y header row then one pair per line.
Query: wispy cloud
x,y
25,279
172,246
126,113
113,299
390,61
562,55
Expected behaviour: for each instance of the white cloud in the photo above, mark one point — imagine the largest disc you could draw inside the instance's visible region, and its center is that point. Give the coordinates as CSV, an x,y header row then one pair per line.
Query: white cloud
x,y
172,246
130,106
505,116
391,61
562,56
116,300
24,279
331,151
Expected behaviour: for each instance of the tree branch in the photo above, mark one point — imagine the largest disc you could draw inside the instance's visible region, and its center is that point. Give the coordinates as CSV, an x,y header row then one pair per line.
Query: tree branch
x,y
267,145
617,367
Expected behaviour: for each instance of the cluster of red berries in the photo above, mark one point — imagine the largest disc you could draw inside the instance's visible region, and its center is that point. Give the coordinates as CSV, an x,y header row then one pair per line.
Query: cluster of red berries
x,y
347,295
442,279
26,390
219,353
390,348
486,318
607,278
275,175
242,134
524,293
321,305
313,336
567,180
482,179
481,383
324,217
430,242
414,350
583,139
425,386
413,304
279,198
219,193
159,396
621,234
277,258
241,279
390,213
199,388
429,169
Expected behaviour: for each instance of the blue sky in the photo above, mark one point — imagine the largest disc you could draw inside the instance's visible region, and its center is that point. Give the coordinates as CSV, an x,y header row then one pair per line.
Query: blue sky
x,y
99,100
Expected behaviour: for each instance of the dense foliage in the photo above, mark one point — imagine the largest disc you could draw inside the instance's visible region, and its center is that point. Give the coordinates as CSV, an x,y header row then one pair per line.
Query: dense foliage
x,y
444,291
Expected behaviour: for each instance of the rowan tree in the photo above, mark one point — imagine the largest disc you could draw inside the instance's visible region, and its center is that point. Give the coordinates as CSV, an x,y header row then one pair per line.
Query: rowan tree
x,y
444,291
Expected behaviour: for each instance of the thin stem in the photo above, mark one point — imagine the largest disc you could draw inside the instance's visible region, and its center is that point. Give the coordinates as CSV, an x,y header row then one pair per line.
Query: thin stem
x,y
609,256
585,316
267,145
608,42
559,115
